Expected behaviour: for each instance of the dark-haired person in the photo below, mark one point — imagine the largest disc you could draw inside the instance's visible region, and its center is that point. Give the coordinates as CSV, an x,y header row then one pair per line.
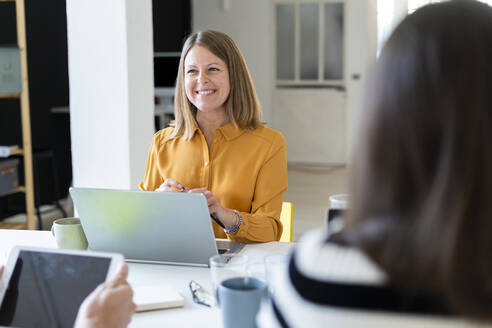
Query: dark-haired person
x,y
109,305
416,249
218,145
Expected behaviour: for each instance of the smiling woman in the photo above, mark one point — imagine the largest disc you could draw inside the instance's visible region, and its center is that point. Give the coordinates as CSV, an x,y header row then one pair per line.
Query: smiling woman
x,y
218,145
240,105
206,81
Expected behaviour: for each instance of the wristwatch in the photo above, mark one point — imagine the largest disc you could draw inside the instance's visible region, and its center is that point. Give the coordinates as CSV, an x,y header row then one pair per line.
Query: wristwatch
x,y
235,227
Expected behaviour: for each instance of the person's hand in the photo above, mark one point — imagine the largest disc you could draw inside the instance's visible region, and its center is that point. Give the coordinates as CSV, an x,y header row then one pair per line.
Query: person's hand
x,y
225,215
109,305
1,273
172,185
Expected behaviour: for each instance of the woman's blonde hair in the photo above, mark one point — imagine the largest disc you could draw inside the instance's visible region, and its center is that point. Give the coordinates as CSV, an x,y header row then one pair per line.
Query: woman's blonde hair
x,y
242,107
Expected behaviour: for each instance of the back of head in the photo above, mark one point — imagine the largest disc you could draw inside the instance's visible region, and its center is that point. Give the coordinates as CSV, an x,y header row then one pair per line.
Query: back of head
x,y
422,178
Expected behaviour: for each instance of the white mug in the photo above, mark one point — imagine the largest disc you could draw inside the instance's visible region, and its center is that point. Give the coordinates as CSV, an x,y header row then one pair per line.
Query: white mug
x,y
69,234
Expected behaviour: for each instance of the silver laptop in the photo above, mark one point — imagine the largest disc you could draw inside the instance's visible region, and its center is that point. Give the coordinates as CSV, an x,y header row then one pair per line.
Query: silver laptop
x,y
148,226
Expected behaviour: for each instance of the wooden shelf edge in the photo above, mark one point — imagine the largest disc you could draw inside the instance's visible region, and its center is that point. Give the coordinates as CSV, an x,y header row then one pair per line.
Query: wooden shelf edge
x,y
9,95
18,189
13,225
13,152
23,97
18,151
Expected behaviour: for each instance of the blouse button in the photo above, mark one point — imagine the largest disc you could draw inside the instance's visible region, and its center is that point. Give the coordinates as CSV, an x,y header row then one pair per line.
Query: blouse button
x,y
206,163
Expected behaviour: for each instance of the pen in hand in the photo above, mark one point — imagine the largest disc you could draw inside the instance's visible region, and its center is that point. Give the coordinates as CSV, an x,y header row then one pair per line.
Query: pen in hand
x,y
217,221
183,189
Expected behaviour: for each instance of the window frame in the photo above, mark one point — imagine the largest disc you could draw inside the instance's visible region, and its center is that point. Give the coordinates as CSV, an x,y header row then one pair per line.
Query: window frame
x,y
320,82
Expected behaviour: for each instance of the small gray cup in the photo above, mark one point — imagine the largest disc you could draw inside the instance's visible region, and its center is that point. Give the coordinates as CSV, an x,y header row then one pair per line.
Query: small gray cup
x,y
239,299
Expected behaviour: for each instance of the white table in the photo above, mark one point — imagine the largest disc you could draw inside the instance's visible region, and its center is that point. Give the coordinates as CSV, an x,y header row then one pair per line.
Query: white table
x,y
191,315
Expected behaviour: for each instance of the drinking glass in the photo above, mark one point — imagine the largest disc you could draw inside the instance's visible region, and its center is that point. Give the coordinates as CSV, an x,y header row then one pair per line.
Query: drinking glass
x,y
339,204
225,266
275,264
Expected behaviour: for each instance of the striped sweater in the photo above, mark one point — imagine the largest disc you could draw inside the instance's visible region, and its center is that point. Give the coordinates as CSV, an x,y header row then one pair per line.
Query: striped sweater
x,y
327,285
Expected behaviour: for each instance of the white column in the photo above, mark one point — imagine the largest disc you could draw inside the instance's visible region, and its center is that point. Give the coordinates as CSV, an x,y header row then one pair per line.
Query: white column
x,y
111,90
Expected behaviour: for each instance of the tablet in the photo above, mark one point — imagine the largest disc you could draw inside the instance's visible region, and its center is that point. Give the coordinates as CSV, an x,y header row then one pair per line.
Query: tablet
x,y
43,287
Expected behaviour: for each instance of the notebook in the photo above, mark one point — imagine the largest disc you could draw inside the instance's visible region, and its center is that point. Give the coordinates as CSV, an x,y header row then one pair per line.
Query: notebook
x,y
154,297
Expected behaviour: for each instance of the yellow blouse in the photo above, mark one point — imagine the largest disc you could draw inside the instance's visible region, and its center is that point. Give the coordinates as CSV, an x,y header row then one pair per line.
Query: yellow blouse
x,y
246,171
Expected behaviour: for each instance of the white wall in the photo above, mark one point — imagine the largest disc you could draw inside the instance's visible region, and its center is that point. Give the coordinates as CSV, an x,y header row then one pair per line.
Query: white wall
x,y
248,23
390,14
361,56
111,90
313,122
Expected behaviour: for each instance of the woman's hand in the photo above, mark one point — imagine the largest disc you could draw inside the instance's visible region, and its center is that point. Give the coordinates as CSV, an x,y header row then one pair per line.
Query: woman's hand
x,y
225,215
172,185
109,305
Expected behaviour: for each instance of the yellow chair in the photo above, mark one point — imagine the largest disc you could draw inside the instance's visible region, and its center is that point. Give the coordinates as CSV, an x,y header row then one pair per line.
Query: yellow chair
x,y
286,219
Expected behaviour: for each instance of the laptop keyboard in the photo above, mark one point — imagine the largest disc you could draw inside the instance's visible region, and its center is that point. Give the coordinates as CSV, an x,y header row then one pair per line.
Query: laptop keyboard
x,y
223,246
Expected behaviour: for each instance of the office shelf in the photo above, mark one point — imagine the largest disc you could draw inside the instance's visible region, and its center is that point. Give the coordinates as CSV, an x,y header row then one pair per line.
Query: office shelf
x,y
9,95
15,191
26,150
17,152
13,225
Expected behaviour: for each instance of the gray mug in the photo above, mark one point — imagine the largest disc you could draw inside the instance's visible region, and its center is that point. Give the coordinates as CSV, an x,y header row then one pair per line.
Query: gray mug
x,y
240,299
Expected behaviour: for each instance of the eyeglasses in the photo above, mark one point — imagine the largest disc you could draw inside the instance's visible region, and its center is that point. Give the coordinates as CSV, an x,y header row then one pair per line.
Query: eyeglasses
x,y
200,294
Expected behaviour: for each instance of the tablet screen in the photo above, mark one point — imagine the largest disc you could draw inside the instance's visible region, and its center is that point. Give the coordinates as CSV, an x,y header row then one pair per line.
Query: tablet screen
x,y
46,289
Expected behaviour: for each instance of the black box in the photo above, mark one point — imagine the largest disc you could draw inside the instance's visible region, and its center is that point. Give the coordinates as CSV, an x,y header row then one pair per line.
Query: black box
x,y
9,175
